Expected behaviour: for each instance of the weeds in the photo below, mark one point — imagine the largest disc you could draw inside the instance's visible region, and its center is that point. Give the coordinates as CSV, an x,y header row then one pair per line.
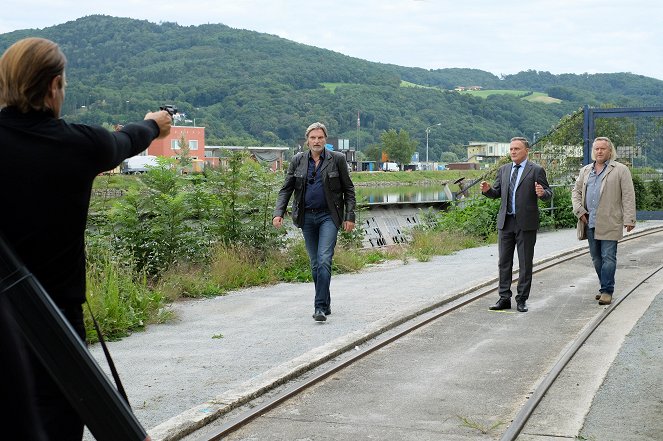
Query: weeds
x,y
121,300
482,428
200,236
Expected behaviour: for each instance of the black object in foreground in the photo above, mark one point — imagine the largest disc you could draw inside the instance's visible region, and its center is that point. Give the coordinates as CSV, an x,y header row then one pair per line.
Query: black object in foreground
x,y
169,108
56,344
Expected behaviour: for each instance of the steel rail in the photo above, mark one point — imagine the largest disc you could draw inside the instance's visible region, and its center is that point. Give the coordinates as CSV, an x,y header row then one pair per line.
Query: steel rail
x,y
408,327
526,411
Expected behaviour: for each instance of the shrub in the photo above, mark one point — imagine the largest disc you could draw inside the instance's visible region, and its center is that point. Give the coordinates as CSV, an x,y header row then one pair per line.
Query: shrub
x,y
120,299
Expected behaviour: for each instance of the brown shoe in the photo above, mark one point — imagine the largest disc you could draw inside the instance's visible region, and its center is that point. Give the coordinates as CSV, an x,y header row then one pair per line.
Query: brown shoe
x,y
605,299
598,296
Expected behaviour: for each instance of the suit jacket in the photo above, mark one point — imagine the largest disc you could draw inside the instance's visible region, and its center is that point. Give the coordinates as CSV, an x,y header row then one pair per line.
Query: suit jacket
x,y
338,187
527,208
616,203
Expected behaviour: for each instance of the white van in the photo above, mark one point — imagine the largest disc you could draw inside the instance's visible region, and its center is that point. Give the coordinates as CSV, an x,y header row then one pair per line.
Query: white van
x,y
389,166
138,164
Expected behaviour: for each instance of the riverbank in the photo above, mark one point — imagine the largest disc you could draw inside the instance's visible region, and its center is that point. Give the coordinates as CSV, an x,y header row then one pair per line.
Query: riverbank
x,y
419,177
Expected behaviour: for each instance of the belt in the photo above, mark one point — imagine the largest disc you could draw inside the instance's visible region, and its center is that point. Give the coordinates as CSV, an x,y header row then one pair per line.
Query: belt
x,y
317,210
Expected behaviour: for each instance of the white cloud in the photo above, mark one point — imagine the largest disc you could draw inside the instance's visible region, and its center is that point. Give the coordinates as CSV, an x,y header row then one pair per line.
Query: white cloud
x,y
560,36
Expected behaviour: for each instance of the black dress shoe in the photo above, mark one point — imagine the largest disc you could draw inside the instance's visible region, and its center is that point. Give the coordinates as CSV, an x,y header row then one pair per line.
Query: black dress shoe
x,y
501,304
521,307
319,315
328,311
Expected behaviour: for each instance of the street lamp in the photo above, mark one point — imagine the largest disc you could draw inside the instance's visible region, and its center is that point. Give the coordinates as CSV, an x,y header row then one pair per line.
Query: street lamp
x,y
427,132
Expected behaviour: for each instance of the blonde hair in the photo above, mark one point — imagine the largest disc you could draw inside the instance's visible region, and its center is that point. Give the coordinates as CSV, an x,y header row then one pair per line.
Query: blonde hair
x,y
613,150
27,69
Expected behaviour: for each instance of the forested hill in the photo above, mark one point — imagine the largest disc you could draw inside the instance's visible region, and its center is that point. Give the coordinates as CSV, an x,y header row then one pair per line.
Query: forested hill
x,y
251,88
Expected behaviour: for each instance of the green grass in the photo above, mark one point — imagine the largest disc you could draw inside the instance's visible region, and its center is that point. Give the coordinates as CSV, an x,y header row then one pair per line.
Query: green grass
x,y
124,300
487,92
536,97
413,177
118,181
540,97
408,84
121,300
482,428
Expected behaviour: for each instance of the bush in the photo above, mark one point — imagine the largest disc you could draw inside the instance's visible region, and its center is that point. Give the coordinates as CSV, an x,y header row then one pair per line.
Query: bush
x,y
120,299
654,195
640,193
562,215
476,217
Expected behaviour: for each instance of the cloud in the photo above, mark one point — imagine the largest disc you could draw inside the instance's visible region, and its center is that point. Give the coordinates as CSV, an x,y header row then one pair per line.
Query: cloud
x,y
560,36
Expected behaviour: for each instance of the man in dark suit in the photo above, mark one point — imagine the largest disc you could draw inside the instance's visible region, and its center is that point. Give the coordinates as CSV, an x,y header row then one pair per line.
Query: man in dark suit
x,y
519,185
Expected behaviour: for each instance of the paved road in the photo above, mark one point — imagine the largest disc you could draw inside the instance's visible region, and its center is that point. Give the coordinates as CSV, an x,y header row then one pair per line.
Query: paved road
x,y
466,376
222,350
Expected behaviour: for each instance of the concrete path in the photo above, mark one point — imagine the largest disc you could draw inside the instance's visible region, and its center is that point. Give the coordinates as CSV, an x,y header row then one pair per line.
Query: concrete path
x,y
221,351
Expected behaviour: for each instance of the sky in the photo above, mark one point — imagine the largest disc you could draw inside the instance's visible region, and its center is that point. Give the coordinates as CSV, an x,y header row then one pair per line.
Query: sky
x,y
499,36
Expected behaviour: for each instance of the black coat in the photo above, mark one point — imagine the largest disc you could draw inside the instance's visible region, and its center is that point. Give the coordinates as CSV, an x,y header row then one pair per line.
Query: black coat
x,y
338,187
46,175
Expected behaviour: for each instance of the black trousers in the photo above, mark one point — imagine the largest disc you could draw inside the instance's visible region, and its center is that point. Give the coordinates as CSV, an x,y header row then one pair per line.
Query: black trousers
x,y
510,238
18,418
59,419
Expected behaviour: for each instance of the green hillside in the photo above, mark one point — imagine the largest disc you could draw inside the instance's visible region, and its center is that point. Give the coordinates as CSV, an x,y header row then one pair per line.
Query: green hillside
x,y
252,88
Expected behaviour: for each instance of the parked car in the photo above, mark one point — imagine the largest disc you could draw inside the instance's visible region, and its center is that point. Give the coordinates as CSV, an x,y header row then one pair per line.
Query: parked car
x,y
138,164
389,166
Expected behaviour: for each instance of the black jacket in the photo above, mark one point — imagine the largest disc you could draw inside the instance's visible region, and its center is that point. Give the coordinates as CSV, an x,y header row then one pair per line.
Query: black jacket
x,y
339,190
46,175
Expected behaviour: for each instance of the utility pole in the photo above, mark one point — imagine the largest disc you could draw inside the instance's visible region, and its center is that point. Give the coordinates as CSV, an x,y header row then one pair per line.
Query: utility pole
x,y
358,125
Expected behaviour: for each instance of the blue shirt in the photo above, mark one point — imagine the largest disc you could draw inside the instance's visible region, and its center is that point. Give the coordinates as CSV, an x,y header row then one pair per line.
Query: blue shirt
x,y
314,197
593,192
520,173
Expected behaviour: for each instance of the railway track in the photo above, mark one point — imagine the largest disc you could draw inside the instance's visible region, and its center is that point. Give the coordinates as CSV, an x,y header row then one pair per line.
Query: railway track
x,y
466,303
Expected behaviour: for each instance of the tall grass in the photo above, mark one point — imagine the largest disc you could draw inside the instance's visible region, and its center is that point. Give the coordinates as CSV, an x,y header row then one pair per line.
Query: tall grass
x,y
200,236
121,299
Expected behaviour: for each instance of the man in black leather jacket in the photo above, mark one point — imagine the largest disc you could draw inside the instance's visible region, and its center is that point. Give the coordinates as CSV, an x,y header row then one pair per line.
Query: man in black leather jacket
x,y
324,201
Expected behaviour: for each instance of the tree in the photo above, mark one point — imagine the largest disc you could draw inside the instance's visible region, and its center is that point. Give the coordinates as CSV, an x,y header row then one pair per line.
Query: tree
x,y
448,157
185,158
373,152
398,145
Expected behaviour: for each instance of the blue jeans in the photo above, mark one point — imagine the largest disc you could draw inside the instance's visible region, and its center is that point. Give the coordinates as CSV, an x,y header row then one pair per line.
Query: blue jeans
x,y
604,257
320,234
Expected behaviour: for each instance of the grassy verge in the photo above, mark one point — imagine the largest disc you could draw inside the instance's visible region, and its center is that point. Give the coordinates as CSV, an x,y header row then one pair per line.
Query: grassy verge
x,y
127,296
413,177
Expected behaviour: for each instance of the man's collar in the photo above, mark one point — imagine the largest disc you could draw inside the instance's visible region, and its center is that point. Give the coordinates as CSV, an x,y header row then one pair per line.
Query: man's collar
x,y
322,154
522,164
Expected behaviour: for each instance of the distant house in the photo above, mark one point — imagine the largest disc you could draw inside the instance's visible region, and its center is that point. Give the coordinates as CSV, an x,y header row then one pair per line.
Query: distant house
x,y
211,156
490,152
486,152
216,154
170,145
464,88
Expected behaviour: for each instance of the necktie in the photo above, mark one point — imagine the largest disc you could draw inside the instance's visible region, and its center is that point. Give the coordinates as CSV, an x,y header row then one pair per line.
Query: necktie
x,y
512,188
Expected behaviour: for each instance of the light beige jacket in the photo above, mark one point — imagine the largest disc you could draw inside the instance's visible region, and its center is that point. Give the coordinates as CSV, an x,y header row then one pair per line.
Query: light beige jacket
x,y
616,204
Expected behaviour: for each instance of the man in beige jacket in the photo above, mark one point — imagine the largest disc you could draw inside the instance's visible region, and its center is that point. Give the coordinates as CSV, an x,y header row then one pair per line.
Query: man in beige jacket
x,y
604,203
